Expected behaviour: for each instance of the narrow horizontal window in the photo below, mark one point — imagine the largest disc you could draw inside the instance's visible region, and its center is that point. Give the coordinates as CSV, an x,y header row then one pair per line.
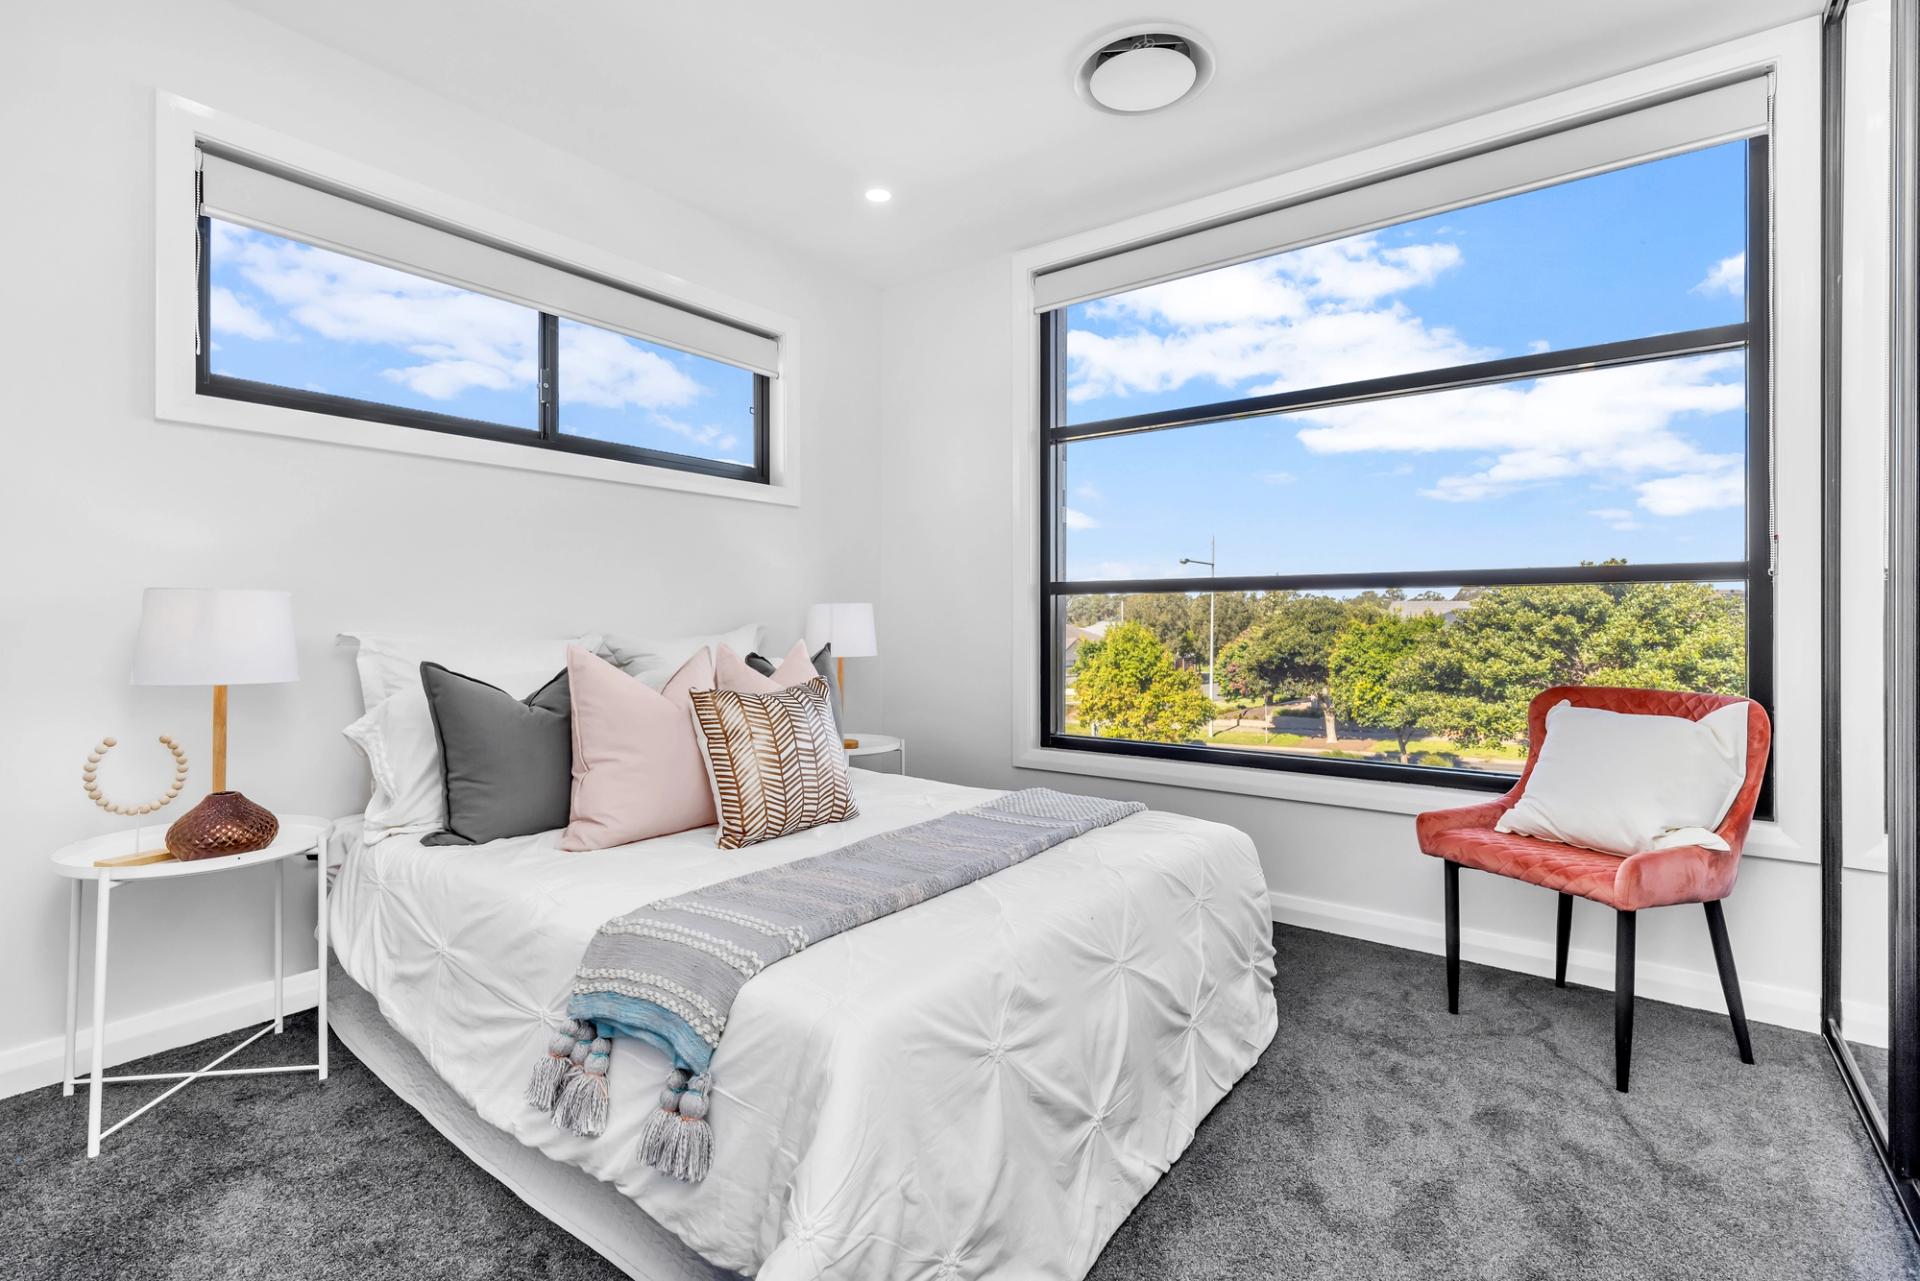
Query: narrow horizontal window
x,y
311,299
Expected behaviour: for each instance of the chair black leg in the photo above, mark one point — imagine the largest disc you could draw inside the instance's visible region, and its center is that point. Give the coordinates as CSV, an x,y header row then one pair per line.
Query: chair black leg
x,y
1729,979
1622,998
1453,936
1563,933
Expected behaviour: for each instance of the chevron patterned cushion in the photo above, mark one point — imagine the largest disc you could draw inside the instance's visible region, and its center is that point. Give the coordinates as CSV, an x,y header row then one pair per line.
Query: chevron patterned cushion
x,y
774,760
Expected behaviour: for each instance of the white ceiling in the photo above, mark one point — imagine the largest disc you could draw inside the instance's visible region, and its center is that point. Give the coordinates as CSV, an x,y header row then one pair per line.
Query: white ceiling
x,y
778,116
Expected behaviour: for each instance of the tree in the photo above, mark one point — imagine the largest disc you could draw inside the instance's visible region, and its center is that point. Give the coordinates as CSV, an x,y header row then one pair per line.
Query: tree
x,y
1371,675
1479,674
1128,686
1285,653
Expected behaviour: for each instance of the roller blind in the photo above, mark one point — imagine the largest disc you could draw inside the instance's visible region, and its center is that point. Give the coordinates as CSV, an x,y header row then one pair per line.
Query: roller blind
x,y
239,192
1738,110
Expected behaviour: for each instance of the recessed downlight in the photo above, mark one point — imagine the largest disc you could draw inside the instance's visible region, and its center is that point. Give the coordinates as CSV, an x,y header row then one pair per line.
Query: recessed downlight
x,y
879,195
1142,69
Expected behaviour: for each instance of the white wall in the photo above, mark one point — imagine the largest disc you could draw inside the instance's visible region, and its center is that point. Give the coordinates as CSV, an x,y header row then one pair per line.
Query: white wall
x,y
98,499
956,518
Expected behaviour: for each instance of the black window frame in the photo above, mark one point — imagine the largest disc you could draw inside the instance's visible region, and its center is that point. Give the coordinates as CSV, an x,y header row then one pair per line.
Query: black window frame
x,y
1754,570
546,436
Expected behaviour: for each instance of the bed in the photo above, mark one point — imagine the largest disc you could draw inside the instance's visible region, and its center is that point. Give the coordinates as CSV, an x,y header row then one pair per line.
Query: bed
x,y
982,1085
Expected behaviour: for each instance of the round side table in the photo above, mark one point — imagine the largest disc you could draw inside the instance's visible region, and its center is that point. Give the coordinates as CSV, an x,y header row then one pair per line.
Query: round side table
x,y
878,745
300,836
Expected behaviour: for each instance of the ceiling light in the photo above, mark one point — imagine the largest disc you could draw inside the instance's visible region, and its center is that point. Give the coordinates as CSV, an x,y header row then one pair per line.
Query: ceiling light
x,y
879,195
1143,69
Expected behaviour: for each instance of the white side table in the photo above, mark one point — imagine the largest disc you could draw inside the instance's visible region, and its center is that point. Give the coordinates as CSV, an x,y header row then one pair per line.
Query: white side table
x,y
299,836
872,745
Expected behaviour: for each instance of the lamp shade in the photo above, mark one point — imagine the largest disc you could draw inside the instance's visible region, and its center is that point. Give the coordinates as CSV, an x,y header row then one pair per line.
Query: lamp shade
x,y
846,627
211,636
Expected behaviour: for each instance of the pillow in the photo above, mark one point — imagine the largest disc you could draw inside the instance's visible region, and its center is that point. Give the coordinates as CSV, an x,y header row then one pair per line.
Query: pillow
x,y
823,665
1625,783
508,762
389,663
403,757
774,761
654,662
637,771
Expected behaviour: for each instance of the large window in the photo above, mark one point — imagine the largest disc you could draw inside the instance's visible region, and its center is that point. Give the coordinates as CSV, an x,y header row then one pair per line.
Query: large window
x,y
1347,507
312,301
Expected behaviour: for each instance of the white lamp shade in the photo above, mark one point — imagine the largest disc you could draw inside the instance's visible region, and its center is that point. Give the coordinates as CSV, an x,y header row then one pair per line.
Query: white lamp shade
x,y
846,627
210,636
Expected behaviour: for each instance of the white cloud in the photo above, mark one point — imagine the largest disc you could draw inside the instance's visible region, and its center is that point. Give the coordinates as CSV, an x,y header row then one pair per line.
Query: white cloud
x,y
1278,477
1078,519
1728,276
1087,492
604,369
460,340
1298,319
1616,518
229,315
1703,491
1613,422
1538,345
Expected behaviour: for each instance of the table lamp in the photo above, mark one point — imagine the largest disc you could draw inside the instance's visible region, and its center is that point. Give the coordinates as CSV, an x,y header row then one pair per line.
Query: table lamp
x,y
208,636
848,628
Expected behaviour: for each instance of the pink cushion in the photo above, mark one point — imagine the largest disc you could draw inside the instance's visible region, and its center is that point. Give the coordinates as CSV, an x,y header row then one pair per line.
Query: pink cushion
x,y
637,765
730,671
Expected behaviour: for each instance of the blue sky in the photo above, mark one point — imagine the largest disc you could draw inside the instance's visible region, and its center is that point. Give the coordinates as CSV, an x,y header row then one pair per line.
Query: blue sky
x,y
1645,462
297,316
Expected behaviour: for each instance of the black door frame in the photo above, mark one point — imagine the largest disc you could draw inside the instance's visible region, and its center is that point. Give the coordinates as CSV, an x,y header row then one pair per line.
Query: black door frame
x,y
1896,1132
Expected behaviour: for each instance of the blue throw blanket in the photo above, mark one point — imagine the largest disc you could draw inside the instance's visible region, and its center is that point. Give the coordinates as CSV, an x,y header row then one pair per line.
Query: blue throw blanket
x,y
668,973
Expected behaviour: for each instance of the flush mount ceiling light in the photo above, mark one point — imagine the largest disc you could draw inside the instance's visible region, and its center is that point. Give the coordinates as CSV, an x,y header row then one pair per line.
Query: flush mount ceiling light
x,y
1143,69
879,195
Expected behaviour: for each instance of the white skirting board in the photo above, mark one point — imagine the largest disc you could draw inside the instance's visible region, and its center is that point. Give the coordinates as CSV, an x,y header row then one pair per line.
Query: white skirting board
x,y
1697,989
134,1036
595,1212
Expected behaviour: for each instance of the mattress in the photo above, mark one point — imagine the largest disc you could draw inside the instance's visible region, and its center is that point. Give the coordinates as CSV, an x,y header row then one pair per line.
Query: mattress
x,y
982,1085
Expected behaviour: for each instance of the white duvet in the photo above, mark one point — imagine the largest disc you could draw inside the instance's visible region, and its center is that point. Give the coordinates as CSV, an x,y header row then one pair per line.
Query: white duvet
x,y
983,1085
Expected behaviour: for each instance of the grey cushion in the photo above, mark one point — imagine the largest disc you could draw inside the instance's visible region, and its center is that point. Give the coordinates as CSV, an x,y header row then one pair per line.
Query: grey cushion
x,y
507,762
822,663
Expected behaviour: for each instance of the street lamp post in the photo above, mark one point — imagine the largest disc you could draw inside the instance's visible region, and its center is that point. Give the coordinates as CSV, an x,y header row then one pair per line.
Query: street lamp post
x,y
1213,554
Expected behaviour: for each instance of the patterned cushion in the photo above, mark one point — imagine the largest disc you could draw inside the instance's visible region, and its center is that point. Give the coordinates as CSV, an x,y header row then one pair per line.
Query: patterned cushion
x,y
774,760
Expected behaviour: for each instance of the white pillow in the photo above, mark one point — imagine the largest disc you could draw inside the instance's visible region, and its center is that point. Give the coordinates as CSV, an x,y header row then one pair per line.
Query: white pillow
x,y
390,663
1626,783
403,756
655,661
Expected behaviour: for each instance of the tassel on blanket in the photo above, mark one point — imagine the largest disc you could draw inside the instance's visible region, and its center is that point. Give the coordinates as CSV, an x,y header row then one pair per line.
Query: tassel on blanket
x,y
544,1088
581,1107
677,1140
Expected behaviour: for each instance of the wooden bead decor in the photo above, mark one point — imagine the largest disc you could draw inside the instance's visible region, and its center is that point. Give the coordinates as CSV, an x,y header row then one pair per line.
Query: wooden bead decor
x,y
90,777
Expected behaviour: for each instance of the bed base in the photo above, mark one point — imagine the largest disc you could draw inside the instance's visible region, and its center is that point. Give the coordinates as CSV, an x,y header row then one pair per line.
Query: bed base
x,y
594,1212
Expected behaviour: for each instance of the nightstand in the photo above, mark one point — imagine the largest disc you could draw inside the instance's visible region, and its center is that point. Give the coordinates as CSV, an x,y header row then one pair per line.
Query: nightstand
x,y
875,746
300,837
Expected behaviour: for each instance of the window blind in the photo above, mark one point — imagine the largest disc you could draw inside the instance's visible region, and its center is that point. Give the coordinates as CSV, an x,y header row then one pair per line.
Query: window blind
x,y
237,191
1723,114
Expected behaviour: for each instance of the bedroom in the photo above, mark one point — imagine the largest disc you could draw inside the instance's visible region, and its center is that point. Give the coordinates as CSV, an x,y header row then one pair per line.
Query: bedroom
x,y
1220,450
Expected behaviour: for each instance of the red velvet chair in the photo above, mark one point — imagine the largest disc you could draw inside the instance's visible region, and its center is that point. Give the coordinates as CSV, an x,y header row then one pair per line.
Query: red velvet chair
x,y
1690,874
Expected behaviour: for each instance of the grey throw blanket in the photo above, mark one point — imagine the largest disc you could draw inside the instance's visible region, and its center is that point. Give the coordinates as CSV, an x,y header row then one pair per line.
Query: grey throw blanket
x,y
667,973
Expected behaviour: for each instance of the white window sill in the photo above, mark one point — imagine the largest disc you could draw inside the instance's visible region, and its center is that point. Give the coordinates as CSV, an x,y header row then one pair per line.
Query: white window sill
x,y
1765,840
302,424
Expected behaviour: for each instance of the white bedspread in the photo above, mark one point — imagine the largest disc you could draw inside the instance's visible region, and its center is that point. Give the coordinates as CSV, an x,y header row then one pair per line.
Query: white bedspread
x,y
983,1085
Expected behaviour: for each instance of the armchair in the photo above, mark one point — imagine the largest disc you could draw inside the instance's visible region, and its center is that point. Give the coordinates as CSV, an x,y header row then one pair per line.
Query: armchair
x,y
1465,837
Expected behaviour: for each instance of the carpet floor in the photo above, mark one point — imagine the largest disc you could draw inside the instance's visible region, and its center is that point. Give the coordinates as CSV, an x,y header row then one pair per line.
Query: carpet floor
x,y
1378,1138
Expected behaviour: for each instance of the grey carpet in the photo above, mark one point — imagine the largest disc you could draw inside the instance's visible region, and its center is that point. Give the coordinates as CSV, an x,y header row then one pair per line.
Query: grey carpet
x,y
1378,1138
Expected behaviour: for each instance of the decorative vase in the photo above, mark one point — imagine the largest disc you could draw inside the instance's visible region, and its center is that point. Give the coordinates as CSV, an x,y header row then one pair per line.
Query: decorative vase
x,y
223,823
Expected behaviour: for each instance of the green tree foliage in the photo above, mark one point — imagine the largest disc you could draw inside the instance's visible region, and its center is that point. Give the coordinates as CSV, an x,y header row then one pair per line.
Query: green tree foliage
x,y
1128,686
1371,673
1284,655
1480,672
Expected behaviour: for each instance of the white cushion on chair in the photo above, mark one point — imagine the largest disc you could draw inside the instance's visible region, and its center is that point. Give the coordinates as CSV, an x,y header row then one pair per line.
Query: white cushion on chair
x,y
1625,783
